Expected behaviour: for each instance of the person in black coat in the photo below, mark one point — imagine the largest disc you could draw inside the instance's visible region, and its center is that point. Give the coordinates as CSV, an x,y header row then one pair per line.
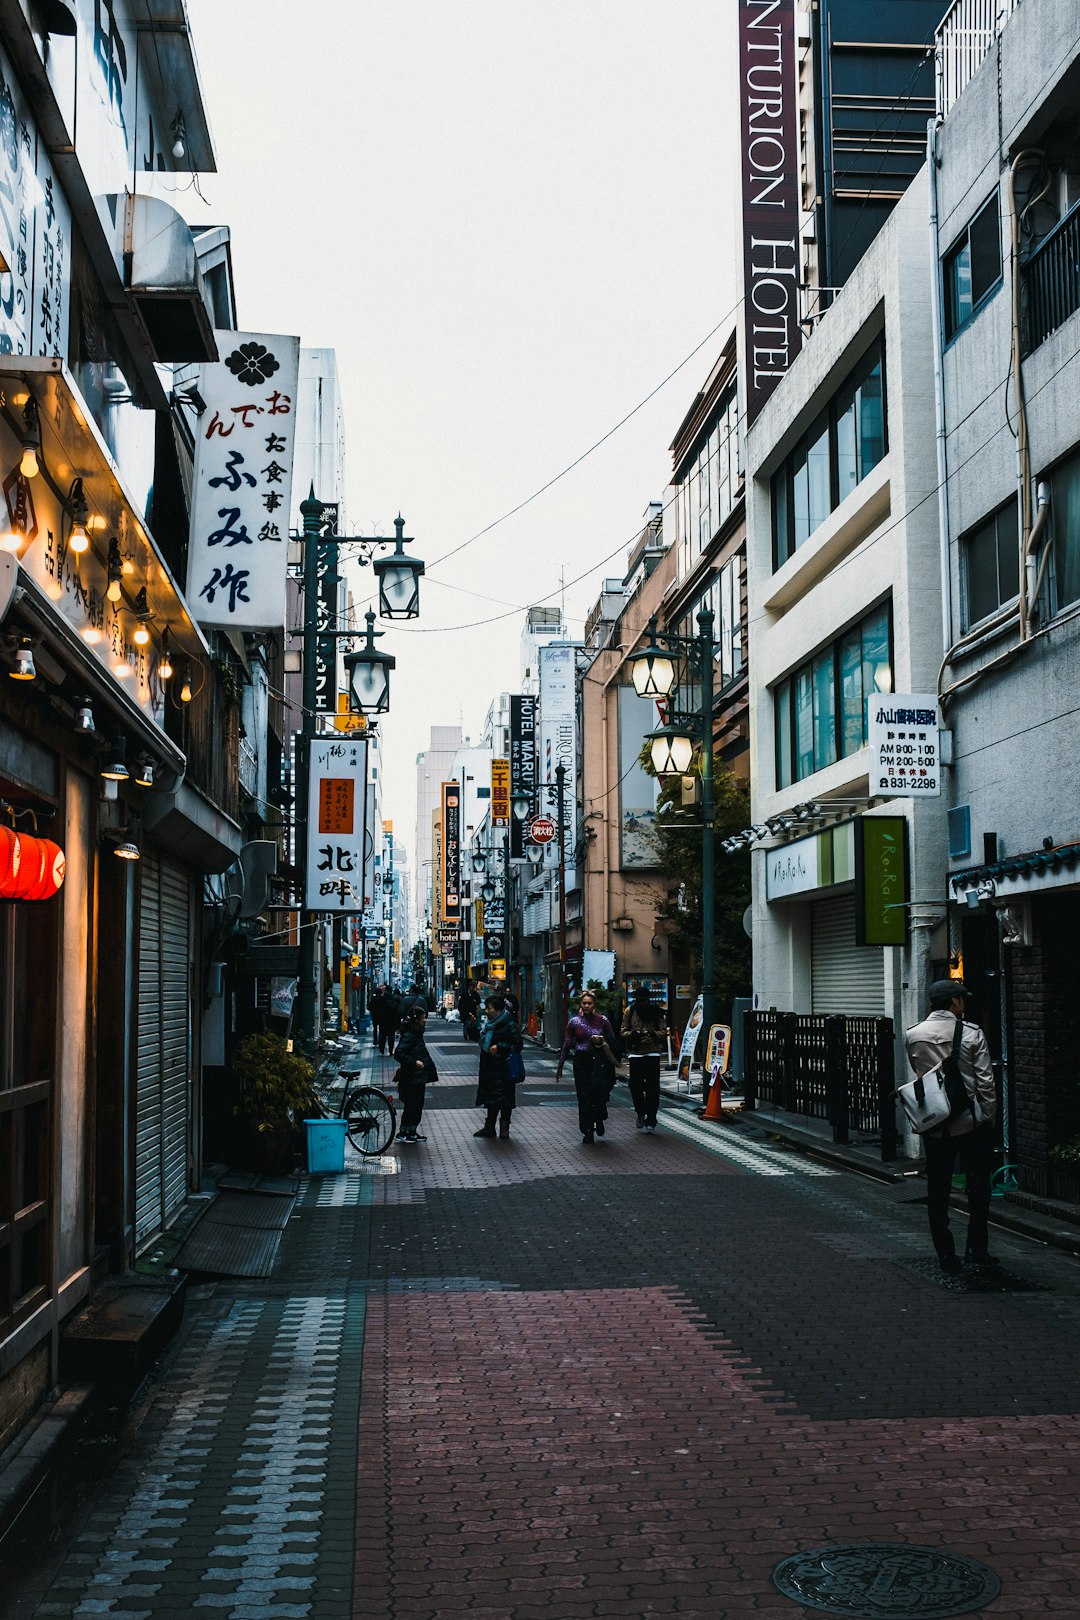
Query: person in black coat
x,y
496,1090
390,1017
416,1069
376,1001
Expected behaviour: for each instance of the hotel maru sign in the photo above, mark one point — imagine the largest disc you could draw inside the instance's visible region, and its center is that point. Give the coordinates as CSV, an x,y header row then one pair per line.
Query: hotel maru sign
x,y
770,194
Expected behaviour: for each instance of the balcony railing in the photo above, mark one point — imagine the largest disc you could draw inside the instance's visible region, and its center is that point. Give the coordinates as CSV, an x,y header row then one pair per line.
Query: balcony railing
x,y
962,42
1050,281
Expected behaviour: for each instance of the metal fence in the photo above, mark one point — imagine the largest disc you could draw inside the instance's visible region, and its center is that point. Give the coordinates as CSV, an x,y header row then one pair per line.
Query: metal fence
x,y
825,1066
1050,281
964,38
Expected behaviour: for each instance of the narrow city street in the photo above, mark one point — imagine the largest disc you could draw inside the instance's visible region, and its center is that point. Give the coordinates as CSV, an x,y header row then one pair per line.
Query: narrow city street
x,y
531,1378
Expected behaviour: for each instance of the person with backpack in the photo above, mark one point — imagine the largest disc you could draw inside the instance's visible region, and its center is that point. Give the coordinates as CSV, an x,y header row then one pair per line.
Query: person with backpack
x,y
969,1135
644,1037
500,1046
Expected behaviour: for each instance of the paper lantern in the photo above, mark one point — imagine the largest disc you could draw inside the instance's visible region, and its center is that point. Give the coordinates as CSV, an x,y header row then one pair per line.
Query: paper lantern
x,y
8,842
29,867
54,866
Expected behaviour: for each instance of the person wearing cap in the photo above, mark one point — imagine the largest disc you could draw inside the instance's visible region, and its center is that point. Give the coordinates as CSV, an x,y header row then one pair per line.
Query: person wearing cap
x,y
970,1136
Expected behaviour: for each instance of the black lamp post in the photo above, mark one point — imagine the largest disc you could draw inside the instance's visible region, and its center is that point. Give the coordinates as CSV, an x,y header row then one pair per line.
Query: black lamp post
x,y
369,687
672,752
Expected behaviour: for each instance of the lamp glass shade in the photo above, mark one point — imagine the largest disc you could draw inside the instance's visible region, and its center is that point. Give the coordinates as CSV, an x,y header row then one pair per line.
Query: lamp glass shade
x,y
488,890
653,673
369,681
479,861
535,852
671,752
519,804
399,588
127,851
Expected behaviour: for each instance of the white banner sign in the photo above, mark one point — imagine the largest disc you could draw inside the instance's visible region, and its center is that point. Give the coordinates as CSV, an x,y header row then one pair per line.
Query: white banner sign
x,y
35,234
904,736
335,829
243,482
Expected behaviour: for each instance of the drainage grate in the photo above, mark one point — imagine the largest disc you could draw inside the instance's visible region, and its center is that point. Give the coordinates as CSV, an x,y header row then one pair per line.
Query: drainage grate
x,y
974,1279
872,1580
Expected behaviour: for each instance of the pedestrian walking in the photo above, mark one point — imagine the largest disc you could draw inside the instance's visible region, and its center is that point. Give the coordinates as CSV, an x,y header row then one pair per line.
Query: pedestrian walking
x,y
496,1089
468,1005
414,998
593,1049
376,1003
644,1036
390,1018
416,1071
969,1137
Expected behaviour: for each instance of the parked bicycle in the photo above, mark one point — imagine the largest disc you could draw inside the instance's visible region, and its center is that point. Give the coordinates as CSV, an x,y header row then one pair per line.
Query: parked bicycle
x,y
369,1114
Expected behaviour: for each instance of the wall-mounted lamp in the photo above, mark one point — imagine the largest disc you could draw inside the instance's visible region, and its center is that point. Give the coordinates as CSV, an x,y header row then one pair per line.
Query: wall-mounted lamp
x,y
114,590
23,668
141,636
178,130
78,539
84,716
115,767
144,771
535,852
128,848
31,439
165,666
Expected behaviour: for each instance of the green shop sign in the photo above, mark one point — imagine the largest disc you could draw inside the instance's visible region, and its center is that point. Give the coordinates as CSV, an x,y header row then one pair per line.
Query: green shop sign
x,y
881,880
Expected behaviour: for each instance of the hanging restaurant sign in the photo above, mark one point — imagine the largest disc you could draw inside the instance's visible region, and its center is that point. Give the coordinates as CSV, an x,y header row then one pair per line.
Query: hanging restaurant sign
x,y
335,826
30,868
243,482
500,792
451,852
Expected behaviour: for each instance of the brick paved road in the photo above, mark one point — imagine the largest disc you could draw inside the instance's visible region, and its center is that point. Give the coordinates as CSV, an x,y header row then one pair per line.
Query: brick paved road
x,y
530,1378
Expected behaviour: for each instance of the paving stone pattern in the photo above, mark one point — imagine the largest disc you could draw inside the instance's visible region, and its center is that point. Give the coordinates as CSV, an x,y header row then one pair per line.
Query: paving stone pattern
x,y
533,1379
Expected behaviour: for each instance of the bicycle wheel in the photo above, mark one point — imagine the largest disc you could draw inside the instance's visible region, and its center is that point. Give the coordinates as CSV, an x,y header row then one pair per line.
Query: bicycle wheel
x,y
371,1119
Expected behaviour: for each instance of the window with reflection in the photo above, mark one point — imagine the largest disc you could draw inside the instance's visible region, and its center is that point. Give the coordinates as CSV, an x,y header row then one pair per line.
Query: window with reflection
x,y
819,711
840,447
710,480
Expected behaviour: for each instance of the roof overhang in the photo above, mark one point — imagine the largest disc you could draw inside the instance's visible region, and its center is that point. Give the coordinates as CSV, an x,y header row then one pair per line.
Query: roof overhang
x,y
173,71
1017,876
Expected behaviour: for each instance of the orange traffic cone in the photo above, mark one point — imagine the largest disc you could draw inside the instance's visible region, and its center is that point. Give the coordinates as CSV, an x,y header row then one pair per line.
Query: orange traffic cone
x,y
714,1106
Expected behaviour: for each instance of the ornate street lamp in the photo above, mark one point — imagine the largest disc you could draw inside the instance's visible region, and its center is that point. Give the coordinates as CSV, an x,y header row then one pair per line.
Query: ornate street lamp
x,y
671,750
535,852
479,861
399,579
520,804
369,674
653,670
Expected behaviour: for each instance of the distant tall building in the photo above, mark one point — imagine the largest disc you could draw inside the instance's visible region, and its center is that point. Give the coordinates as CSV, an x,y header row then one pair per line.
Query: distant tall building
x,y
542,624
434,765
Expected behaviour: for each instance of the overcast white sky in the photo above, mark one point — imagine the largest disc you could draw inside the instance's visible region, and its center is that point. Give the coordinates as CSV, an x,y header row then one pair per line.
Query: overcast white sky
x,y
511,219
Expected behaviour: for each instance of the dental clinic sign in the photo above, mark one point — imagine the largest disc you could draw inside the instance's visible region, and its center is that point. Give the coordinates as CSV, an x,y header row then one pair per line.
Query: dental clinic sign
x,y
904,733
770,194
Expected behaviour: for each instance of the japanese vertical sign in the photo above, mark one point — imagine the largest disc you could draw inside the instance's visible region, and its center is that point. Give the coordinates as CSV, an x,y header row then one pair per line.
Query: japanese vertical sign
x,y
770,194
451,852
335,830
522,761
558,701
327,613
243,482
35,235
500,792
904,736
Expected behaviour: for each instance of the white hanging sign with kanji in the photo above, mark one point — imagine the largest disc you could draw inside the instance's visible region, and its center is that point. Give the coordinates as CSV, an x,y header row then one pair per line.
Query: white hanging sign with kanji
x,y
335,828
243,482
904,737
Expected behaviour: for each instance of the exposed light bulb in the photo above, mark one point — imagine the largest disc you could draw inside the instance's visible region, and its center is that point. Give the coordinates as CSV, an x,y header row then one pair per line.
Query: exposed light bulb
x,y
178,148
114,591
10,540
28,466
78,540
141,637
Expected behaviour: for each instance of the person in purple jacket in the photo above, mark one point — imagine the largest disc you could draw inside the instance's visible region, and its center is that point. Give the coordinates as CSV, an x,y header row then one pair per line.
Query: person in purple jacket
x,y
592,1046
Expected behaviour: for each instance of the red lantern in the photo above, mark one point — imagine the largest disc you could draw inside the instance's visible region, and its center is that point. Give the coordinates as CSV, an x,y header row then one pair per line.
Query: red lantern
x,y
8,842
29,867
54,867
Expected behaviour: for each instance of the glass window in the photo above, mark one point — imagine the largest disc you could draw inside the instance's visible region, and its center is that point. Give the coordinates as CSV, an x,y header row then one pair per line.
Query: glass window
x,y
824,711
715,517
972,267
845,443
876,659
804,724
991,564
782,712
1065,531
852,701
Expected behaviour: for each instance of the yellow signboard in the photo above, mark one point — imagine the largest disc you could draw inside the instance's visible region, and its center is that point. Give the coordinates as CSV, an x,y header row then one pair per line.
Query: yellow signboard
x,y
497,970
345,719
500,793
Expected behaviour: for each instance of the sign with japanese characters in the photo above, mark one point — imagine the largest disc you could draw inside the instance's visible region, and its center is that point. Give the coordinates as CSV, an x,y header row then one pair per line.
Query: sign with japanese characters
x,y
451,852
904,736
500,792
335,834
523,719
35,234
243,483
882,895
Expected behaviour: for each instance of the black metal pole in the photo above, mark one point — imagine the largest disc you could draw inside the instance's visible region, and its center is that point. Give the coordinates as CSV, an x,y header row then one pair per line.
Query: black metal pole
x,y
560,789
306,989
708,842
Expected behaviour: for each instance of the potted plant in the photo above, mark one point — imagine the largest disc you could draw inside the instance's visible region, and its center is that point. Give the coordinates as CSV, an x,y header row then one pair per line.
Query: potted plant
x,y
276,1093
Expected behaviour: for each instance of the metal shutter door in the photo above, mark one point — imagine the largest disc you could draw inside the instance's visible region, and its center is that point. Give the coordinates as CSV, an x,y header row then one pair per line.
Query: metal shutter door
x,y
148,1056
844,977
163,1089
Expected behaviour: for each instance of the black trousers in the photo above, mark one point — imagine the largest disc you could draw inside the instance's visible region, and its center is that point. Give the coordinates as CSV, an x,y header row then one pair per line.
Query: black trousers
x,y
387,1037
593,1091
975,1154
645,1085
412,1104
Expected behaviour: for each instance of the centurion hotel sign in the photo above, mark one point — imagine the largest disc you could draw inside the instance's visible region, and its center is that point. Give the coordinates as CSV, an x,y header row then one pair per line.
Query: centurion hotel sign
x,y
770,194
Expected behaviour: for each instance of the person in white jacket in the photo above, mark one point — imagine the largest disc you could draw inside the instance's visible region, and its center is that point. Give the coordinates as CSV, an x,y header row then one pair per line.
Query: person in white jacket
x,y
970,1136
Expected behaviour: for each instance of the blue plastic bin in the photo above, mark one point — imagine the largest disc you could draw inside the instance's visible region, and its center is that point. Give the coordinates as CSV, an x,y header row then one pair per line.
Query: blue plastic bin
x,y
325,1146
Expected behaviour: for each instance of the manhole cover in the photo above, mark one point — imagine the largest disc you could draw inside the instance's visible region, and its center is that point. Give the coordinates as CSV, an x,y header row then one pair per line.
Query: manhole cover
x,y
875,1579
